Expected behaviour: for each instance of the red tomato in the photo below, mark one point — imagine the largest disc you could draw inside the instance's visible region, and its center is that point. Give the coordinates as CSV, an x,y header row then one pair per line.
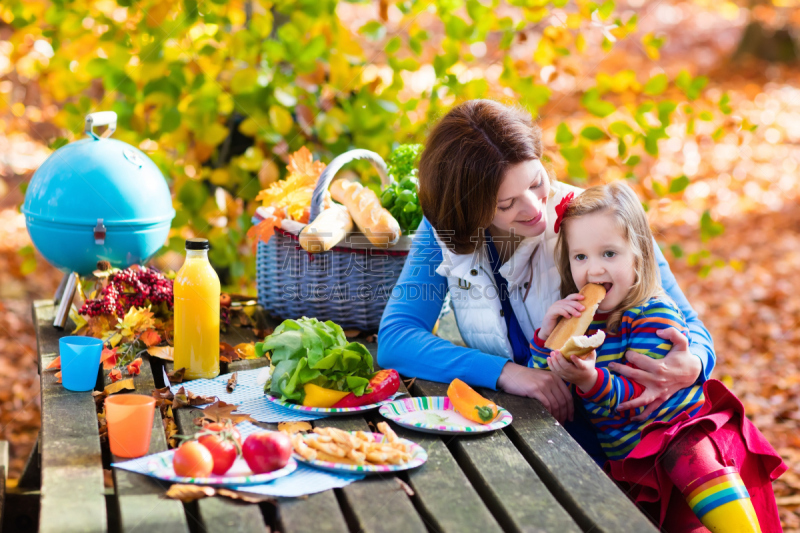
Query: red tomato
x,y
267,451
223,451
192,459
216,426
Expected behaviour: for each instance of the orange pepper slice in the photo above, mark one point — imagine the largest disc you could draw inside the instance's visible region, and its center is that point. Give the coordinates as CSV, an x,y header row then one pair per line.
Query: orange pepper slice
x,y
470,404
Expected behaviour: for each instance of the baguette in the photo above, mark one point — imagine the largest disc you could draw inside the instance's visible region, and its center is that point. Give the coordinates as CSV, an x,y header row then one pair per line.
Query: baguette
x,y
325,232
568,335
379,226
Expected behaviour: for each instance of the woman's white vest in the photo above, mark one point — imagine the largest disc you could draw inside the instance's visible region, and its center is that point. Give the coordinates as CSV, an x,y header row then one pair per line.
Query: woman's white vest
x,y
474,295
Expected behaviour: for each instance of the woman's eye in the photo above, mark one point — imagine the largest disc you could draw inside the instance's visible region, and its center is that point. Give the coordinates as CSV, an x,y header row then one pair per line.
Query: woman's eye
x,y
537,185
506,208
609,253
580,257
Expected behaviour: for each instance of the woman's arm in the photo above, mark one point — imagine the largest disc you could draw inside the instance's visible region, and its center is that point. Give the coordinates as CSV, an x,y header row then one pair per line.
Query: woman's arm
x,y
405,341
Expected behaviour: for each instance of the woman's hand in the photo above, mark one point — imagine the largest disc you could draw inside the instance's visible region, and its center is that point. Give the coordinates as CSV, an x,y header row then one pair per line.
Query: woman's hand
x,y
568,307
577,370
661,378
540,384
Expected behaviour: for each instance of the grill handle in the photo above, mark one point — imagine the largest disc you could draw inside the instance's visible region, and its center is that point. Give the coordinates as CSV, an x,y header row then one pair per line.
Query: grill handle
x,y
101,118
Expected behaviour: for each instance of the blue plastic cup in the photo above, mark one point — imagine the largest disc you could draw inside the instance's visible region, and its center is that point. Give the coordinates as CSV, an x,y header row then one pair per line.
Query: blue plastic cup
x,y
80,359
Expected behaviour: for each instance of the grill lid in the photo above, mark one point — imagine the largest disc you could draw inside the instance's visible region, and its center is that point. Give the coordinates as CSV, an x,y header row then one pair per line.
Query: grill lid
x,y
99,178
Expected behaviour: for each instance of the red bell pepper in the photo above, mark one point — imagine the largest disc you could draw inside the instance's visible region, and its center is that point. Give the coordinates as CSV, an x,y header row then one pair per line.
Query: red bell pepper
x,y
382,385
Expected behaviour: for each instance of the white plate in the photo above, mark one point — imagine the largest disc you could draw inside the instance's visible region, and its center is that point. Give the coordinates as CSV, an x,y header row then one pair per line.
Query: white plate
x,y
435,414
418,457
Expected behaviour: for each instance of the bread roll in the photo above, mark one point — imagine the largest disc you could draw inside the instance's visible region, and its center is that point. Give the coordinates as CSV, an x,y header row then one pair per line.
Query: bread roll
x,y
372,219
325,232
568,335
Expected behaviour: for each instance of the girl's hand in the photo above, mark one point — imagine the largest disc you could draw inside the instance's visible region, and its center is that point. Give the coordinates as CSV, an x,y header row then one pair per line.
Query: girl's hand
x,y
579,371
540,384
568,307
661,378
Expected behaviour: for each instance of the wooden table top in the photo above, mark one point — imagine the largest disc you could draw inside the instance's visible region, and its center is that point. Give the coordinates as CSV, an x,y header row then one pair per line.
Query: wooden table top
x,y
530,476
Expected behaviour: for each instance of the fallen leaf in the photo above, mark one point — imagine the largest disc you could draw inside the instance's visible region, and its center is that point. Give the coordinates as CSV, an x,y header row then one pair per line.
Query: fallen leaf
x,y
108,479
176,376
163,394
162,352
185,398
119,386
221,411
171,429
189,493
99,399
262,333
227,354
135,367
58,377
231,382
403,485
109,358
248,497
150,338
293,427
55,363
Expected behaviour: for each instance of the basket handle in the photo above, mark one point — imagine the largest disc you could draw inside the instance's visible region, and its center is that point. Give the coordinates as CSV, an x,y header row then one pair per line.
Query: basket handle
x,y
335,166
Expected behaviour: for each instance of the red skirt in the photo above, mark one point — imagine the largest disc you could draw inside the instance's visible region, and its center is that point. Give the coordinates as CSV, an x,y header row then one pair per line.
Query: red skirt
x,y
738,441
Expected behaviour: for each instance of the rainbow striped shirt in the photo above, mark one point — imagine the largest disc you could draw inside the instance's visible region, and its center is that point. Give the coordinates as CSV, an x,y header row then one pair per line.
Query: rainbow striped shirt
x,y
618,434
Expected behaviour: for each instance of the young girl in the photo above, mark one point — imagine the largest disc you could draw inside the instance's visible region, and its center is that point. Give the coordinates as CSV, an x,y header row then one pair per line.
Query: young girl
x,y
696,460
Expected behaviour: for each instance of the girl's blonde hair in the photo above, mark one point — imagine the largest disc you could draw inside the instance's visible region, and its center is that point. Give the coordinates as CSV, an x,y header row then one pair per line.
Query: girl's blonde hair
x,y
618,199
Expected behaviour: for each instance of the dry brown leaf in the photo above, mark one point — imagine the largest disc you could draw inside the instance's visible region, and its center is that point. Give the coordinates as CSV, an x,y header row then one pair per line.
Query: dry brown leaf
x,y
246,350
221,411
262,333
248,497
231,385
163,394
162,352
189,493
119,386
99,399
403,485
293,427
108,479
227,354
171,429
55,363
186,398
176,376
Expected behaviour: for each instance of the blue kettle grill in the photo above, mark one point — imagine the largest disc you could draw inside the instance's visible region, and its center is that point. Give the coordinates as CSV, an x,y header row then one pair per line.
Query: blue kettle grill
x,y
96,199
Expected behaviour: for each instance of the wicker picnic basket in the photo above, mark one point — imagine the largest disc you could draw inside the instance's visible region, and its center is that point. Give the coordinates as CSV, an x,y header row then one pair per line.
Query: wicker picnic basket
x,y
350,284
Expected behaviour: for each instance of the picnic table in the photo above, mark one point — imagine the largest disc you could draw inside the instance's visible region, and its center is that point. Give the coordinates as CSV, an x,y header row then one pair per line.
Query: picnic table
x,y
531,476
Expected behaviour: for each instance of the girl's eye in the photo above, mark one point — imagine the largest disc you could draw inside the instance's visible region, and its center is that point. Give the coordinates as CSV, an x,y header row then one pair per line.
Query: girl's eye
x,y
580,257
609,254
506,208
537,185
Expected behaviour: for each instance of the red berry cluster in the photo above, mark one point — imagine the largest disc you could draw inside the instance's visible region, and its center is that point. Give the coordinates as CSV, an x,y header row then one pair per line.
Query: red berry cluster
x,y
131,288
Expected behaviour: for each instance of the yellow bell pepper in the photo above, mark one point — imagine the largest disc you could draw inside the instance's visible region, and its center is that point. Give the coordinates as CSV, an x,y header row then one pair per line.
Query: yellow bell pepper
x,y
317,396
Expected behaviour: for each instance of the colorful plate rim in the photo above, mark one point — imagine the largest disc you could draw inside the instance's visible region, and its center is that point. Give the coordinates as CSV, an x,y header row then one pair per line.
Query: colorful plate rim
x,y
165,461
395,410
327,410
418,457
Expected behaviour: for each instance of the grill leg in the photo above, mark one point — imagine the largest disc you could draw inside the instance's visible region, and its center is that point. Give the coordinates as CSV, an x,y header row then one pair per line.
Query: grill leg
x,y
70,283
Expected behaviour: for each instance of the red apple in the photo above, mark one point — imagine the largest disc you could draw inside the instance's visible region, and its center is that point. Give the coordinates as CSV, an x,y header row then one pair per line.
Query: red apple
x,y
267,451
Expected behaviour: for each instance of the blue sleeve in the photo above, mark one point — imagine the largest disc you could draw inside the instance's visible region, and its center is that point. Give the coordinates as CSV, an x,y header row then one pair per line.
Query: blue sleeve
x,y
700,342
539,353
405,341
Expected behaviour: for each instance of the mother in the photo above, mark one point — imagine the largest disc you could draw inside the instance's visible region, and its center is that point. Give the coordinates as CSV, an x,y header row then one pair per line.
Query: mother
x,y
488,239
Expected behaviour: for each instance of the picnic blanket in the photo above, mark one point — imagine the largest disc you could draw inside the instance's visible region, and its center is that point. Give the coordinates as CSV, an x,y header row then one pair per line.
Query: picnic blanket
x,y
303,481
248,395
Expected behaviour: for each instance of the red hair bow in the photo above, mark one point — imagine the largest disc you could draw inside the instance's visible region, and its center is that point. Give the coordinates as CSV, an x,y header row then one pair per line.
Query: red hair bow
x,y
561,208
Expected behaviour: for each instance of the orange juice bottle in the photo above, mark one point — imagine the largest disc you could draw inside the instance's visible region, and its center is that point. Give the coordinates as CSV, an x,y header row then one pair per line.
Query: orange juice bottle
x,y
196,292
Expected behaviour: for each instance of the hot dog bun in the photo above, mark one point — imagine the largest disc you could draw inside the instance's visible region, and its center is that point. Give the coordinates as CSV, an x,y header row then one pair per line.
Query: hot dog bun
x,y
568,335
372,219
326,230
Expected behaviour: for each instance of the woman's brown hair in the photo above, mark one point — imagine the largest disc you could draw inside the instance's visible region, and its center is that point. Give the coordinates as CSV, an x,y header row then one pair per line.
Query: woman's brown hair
x,y
465,158
618,199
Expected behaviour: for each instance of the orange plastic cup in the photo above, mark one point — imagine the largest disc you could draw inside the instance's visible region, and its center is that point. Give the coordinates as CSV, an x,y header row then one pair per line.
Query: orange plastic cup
x,y
130,422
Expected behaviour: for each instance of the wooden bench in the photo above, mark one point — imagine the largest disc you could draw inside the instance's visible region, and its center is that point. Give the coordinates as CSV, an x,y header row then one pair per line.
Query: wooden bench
x,y
529,477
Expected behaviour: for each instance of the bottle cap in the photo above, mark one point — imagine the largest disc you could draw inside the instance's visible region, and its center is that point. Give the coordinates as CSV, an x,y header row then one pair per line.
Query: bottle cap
x,y
197,244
